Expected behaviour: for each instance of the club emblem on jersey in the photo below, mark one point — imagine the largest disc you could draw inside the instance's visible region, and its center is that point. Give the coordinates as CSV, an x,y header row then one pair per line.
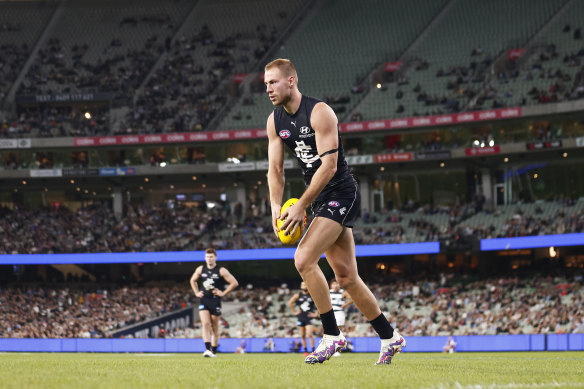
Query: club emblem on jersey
x,y
333,204
284,134
304,130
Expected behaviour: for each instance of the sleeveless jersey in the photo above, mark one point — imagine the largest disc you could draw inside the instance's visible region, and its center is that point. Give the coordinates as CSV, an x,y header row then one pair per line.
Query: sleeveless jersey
x,y
209,280
337,300
297,133
305,303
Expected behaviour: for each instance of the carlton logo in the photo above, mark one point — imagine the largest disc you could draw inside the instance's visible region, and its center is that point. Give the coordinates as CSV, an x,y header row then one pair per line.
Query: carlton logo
x,y
284,134
333,204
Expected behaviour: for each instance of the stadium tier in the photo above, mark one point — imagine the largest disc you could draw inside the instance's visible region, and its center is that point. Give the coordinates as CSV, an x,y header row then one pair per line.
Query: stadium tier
x,y
450,306
183,66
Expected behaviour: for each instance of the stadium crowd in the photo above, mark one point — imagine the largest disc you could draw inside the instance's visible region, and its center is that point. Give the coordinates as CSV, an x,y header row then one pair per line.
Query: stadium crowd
x,y
96,229
78,312
189,87
160,228
447,305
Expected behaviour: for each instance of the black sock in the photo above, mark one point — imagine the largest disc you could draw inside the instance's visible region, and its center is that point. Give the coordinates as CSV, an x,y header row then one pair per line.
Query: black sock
x,y
329,323
382,327
214,349
208,345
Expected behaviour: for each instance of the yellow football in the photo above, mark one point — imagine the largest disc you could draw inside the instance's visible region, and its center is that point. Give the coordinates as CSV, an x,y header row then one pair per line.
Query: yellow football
x,y
297,233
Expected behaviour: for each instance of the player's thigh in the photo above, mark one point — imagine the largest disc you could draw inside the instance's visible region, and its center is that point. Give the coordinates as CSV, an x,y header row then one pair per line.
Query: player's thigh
x,y
310,330
215,321
302,331
341,256
205,317
321,234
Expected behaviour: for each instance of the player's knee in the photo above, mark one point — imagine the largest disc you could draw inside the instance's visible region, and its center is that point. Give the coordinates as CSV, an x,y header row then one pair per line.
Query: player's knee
x,y
301,263
207,326
346,281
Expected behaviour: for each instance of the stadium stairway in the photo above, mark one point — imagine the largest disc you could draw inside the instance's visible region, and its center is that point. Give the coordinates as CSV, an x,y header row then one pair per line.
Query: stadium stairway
x,y
74,271
54,19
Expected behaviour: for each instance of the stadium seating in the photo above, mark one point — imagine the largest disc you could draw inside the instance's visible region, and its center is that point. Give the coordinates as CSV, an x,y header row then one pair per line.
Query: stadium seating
x,y
535,304
170,66
471,32
556,49
18,37
343,60
103,47
219,40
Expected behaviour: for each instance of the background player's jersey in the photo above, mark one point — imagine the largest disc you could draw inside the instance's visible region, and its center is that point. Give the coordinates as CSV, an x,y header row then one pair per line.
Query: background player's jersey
x,y
305,303
209,280
297,133
337,300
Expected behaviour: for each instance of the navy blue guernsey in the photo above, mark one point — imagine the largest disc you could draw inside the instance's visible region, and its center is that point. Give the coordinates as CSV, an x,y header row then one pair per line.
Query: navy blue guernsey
x,y
211,279
297,133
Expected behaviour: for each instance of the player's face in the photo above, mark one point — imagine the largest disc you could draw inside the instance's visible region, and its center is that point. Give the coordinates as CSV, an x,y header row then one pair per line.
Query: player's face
x,y
335,286
211,259
303,287
278,86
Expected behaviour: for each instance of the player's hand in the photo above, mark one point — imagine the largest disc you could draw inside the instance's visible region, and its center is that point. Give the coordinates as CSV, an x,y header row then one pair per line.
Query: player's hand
x,y
294,216
218,292
275,216
199,294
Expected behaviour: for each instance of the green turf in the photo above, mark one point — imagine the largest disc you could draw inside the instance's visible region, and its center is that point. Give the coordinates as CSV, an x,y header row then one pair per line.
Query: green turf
x,y
413,370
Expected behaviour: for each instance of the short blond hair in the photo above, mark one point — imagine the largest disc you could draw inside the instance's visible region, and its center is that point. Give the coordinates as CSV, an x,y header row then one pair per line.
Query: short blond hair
x,y
285,65
211,250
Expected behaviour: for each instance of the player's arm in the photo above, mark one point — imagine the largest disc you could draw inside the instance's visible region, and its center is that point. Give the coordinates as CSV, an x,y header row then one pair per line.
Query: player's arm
x,y
291,302
324,122
194,279
275,170
348,299
314,312
228,277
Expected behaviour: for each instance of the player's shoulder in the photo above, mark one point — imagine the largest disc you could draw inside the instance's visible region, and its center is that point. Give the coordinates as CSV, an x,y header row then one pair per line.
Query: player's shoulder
x,y
321,113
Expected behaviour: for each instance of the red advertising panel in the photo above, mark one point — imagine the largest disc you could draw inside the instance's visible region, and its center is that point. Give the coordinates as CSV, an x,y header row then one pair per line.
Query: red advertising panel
x,y
258,133
239,77
392,66
395,157
513,54
474,151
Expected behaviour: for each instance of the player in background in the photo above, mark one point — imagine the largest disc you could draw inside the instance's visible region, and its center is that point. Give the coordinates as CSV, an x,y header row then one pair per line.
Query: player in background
x,y
303,307
450,346
309,127
340,299
208,283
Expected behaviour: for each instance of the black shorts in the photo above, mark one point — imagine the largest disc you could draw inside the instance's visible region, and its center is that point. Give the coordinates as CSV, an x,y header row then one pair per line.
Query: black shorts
x,y
211,305
341,202
303,320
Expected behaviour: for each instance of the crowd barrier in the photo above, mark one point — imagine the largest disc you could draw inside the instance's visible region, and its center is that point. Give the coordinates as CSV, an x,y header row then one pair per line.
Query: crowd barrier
x,y
551,342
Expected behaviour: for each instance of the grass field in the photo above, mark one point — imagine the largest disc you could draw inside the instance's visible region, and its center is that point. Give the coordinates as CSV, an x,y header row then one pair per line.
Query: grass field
x,y
413,370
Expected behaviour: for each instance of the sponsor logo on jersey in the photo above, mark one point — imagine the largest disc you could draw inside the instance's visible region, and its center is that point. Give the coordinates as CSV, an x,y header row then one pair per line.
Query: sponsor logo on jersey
x,y
343,210
332,211
305,132
293,123
284,134
333,204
